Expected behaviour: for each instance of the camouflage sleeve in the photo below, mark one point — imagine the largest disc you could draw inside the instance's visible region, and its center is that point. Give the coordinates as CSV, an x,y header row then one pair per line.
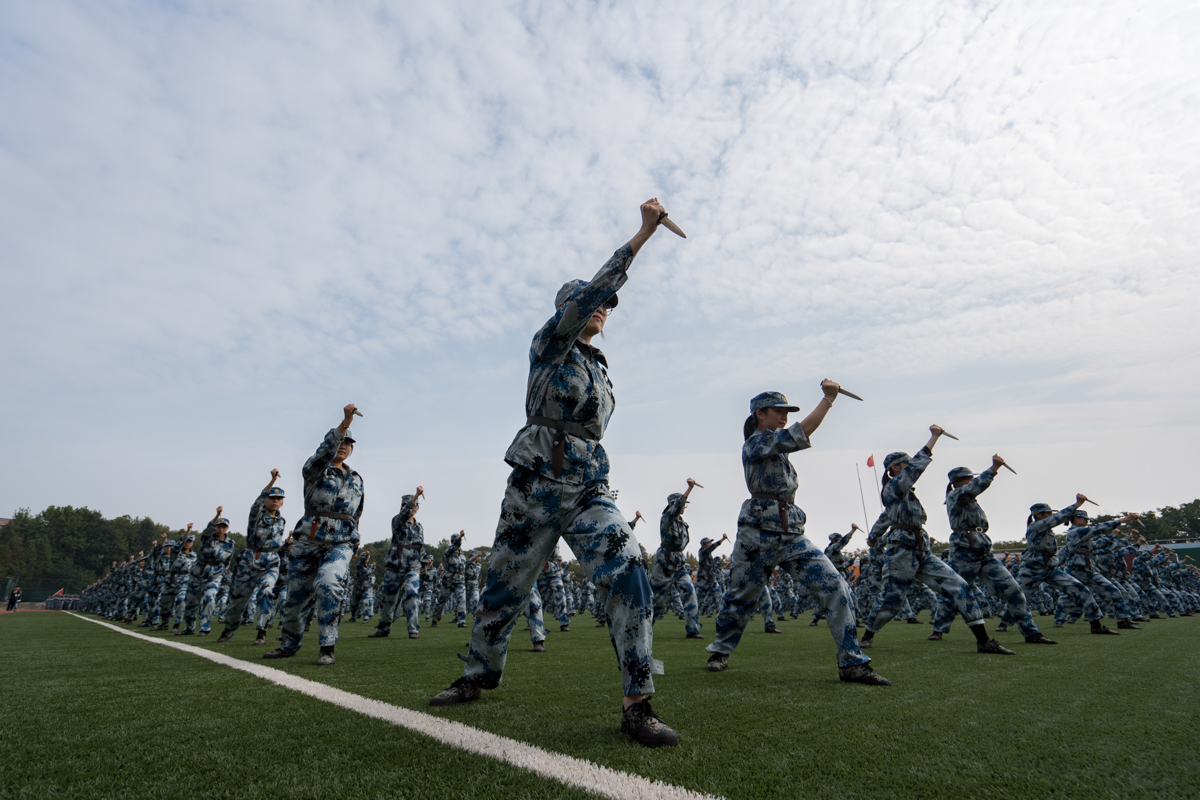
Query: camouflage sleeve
x,y
210,530
763,444
980,483
878,529
560,333
256,511
1039,526
904,482
324,455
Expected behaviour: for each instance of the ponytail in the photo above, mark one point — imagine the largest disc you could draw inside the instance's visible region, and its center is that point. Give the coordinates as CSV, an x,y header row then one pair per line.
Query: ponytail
x,y
1029,520
887,476
749,426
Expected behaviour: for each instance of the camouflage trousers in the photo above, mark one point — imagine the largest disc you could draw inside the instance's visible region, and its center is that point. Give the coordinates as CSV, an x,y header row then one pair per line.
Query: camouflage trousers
x,y
756,553
663,581
974,566
533,616
901,566
554,597
251,577
1041,570
709,595
454,598
535,513
766,607
472,596
1154,599
1103,591
201,602
316,582
819,613
401,587
173,599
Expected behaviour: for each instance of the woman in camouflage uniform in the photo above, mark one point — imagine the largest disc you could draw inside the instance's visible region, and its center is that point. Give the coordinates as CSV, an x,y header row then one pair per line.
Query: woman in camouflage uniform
x,y
559,488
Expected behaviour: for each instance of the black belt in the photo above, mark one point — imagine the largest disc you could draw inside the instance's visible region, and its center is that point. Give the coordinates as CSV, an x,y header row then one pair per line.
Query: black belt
x,y
782,502
560,426
916,529
971,537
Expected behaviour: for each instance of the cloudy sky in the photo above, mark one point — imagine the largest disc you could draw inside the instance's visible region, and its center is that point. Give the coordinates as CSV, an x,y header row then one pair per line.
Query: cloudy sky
x,y
222,222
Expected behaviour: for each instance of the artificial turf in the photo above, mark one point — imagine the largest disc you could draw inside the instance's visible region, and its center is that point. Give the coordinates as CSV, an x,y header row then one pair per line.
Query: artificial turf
x,y
92,713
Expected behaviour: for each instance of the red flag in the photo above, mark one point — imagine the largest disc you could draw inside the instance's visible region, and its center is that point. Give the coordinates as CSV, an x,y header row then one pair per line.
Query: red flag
x,y
56,594
871,460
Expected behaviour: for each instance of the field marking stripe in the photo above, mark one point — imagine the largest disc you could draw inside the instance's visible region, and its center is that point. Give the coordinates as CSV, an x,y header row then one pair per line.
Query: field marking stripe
x,y
571,771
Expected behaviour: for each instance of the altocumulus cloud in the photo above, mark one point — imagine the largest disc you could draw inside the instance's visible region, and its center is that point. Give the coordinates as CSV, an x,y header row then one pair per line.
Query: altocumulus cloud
x,y
222,222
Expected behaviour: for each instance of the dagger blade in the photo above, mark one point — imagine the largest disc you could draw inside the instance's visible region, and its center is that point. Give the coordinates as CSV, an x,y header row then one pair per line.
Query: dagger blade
x,y
951,435
670,225
1010,469
1093,502
849,394
357,413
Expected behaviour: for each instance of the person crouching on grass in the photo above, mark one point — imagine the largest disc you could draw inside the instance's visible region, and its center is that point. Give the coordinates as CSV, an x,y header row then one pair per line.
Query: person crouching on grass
x,y
771,533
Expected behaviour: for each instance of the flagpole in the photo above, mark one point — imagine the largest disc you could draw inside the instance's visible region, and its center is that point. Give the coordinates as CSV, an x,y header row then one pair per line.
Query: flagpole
x,y
876,471
866,521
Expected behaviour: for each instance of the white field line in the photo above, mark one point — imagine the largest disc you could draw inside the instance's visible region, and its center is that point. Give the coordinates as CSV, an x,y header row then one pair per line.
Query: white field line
x,y
565,769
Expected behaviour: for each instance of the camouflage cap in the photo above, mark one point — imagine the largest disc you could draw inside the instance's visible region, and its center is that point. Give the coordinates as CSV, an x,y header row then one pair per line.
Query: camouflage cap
x,y
571,288
222,521
833,536
170,543
275,492
348,437
895,458
1079,512
1039,508
673,496
191,537
771,400
960,472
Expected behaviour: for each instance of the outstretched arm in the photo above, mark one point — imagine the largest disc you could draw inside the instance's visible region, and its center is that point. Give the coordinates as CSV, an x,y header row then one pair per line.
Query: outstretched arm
x,y
829,392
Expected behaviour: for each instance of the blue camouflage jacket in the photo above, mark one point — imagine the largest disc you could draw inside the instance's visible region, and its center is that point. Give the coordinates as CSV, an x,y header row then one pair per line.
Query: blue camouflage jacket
x,y
1077,552
212,552
405,532
707,564
833,551
672,530
768,470
966,515
162,569
456,562
901,506
568,380
329,489
1040,543
264,533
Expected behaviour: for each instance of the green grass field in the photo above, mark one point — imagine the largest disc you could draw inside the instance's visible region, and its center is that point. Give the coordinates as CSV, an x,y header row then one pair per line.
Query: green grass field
x,y
92,713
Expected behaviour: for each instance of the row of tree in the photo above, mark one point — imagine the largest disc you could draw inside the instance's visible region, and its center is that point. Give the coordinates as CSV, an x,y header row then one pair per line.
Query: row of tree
x,y
77,545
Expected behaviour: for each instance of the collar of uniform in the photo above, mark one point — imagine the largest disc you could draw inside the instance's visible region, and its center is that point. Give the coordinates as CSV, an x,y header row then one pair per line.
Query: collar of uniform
x,y
591,352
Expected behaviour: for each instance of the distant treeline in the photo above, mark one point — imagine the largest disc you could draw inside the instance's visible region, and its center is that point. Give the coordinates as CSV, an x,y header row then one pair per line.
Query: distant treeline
x,y
77,545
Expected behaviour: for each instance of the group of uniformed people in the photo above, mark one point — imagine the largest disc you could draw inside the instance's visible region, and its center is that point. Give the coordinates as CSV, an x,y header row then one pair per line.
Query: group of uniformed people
x,y
558,489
